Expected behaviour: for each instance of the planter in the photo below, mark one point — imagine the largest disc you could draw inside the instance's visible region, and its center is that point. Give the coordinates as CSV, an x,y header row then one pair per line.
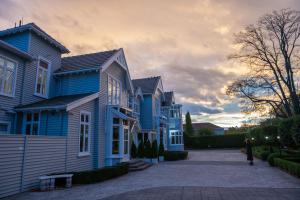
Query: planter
x,y
154,161
161,158
148,160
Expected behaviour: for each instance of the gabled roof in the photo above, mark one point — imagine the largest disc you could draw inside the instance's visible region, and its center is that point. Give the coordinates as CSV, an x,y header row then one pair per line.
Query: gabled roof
x,y
148,85
14,50
85,61
197,126
169,96
60,103
38,31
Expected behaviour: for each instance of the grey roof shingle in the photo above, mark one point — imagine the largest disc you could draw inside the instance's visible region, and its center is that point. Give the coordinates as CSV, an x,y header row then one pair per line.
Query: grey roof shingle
x,y
37,30
56,102
85,61
148,85
14,50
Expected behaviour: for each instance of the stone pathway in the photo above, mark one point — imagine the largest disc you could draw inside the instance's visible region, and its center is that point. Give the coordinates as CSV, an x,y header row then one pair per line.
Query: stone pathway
x,y
208,174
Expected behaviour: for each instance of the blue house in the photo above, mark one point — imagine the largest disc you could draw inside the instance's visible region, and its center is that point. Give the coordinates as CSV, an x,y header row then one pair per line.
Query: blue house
x,y
73,113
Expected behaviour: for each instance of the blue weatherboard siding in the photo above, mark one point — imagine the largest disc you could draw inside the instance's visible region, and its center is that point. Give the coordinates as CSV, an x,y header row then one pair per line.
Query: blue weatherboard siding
x,y
146,113
20,40
78,84
53,123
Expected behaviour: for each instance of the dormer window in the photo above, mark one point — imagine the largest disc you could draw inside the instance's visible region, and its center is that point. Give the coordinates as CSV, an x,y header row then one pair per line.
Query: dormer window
x,y
42,78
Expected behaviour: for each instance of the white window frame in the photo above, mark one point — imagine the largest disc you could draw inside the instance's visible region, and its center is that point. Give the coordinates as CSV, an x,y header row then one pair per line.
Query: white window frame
x,y
85,113
8,127
113,100
126,140
31,122
176,134
48,77
14,81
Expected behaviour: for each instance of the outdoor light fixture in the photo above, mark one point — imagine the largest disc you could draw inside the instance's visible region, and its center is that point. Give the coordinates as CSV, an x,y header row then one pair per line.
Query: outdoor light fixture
x,y
267,137
278,137
252,138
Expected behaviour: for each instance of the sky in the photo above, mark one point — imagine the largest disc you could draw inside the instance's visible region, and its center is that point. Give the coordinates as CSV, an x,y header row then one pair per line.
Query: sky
x,y
185,42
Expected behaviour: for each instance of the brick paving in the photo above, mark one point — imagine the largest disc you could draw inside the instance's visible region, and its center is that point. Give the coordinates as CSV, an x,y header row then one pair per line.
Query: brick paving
x,y
214,174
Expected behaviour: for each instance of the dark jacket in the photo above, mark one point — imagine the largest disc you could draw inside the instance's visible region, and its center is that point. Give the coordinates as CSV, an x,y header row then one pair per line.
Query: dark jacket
x,y
249,151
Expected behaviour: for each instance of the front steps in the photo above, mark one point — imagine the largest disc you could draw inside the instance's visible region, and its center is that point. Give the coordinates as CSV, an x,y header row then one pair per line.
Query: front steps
x,y
138,165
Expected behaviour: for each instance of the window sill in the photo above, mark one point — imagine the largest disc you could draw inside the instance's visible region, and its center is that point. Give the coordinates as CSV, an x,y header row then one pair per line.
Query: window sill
x,y
42,96
84,154
7,95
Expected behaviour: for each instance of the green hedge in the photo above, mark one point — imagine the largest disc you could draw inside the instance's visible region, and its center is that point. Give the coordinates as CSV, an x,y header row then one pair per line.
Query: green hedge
x,y
288,166
98,175
175,155
216,141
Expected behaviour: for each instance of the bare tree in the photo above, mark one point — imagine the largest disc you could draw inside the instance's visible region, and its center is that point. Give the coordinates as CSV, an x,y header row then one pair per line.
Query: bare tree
x,y
271,50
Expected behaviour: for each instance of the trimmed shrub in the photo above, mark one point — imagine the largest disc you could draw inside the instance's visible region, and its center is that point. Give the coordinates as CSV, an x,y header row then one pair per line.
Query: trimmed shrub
x,y
175,155
271,158
141,150
161,149
98,175
288,166
148,150
264,155
154,149
216,141
133,150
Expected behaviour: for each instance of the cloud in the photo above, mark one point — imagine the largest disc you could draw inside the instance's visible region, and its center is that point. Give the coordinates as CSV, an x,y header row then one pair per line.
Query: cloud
x,y
187,42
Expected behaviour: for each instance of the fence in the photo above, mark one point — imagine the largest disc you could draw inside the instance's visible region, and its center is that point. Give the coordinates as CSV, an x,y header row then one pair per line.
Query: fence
x,y
24,158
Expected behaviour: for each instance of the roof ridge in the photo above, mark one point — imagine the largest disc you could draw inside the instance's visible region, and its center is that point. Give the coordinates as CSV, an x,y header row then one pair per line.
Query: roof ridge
x,y
151,77
88,54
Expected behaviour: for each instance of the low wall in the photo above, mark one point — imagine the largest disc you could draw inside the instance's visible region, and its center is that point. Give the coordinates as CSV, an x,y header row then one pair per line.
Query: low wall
x,y
24,158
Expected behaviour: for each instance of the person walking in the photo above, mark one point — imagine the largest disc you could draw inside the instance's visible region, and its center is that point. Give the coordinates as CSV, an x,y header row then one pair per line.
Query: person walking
x,y
249,151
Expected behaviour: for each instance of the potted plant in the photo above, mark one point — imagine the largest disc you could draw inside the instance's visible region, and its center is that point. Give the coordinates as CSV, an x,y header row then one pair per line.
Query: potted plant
x,y
133,151
154,152
161,151
148,151
140,150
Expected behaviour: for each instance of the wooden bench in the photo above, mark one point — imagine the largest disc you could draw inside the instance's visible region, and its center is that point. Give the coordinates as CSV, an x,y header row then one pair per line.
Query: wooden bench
x,y
48,182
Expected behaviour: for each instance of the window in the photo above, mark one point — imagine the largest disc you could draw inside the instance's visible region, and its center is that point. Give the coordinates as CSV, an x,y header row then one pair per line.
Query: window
x,y
126,140
115,142
7,77
175,113
4,127
85,129
32,123
42,79
176,137
114,91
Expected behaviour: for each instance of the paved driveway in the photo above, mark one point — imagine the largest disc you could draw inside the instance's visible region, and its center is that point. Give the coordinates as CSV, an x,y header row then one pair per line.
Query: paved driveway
x,y
213,174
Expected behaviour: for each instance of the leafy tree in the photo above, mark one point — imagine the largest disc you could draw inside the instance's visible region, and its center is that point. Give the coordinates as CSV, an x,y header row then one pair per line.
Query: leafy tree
x,y
270,49
188,125
205,132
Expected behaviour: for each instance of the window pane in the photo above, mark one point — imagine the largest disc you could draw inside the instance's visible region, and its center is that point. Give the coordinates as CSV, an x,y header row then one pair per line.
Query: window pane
x,y
115,149
28,117
115,133
10,66
81,137
125,147
8,82
172,139
35,129
82,117
87,118
86,142
28,129
116,120
36,117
